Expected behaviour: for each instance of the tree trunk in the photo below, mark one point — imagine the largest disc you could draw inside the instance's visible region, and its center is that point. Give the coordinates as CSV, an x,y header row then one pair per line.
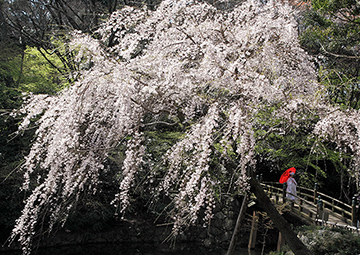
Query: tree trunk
x,y
282,225
21,71
239,220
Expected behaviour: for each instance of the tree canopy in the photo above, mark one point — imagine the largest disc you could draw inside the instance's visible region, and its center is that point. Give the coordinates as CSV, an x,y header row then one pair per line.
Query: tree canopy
x,y
332,35
230,80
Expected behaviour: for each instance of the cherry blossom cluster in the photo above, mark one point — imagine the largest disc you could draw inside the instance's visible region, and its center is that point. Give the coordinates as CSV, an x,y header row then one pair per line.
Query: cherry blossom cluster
x,y
188,164
342,127
132,164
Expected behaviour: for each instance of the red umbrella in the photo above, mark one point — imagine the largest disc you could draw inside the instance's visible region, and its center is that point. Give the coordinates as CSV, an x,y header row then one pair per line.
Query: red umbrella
x,y
285,176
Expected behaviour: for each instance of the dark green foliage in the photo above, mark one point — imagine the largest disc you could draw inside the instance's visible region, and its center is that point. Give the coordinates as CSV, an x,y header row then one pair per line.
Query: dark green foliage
x,y
39,77
331,32
11,150
10,98
92,213
21,70
330,240
159,142
10,204
282,145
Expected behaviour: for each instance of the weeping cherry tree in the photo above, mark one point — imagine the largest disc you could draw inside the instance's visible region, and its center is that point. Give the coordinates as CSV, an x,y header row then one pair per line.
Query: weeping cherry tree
x,y
215,71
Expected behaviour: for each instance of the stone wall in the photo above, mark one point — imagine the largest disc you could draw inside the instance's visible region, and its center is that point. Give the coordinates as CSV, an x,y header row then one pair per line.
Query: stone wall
x,y
142,231
218,234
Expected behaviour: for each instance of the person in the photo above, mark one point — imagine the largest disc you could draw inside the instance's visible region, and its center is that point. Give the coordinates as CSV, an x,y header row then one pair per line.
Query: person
x,y
291,188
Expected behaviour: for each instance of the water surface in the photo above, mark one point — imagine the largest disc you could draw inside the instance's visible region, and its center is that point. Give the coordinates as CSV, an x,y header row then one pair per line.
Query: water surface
x,y
135,249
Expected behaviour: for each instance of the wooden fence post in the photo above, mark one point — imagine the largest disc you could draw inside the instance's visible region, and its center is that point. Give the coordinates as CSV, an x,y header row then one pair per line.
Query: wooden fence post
x,y
254,228
239,220
280,243
319,211
315,192
284,192
353,212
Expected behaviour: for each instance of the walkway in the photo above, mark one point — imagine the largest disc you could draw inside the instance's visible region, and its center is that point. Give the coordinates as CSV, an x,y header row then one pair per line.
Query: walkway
x,y
316,207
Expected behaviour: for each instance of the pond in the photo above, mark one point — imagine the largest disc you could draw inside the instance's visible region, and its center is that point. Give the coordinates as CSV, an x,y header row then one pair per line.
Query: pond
x,y
135,249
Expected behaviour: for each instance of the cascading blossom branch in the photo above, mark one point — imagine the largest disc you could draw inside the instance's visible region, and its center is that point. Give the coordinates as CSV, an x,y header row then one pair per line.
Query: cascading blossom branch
x,y
214,70
342,127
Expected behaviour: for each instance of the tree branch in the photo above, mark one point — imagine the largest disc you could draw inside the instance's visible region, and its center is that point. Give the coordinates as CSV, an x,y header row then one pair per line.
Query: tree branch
x,y
187,35
338,55
161,122
148,109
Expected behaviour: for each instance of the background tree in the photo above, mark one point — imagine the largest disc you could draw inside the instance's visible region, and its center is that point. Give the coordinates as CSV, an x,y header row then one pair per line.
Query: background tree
x,y
22,69
10,152
46,24
330,32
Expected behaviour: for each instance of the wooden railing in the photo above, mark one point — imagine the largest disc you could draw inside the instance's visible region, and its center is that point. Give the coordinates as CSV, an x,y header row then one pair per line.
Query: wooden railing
x,y
316,203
